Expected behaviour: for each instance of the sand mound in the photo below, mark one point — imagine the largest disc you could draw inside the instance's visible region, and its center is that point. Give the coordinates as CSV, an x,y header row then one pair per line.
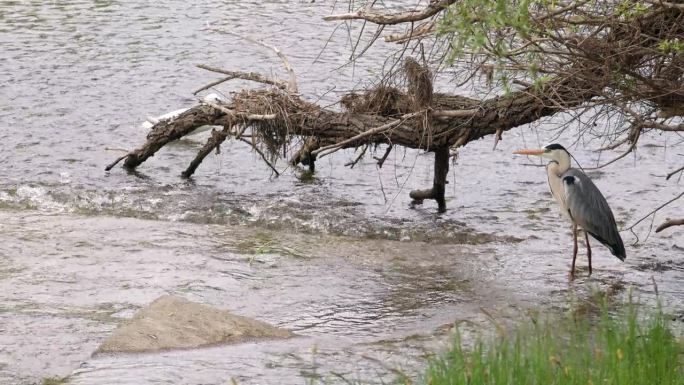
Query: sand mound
x,y
175,323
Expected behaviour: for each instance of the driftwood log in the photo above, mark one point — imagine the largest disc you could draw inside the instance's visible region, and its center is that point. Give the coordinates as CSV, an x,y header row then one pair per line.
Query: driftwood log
x,y
411,115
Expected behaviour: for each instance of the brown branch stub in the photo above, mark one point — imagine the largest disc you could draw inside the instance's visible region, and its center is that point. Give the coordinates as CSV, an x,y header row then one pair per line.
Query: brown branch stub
x,y
497,137
377,17
116,161
669,223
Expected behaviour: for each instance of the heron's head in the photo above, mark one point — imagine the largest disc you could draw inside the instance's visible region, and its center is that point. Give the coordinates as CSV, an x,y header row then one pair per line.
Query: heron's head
x,y
553,151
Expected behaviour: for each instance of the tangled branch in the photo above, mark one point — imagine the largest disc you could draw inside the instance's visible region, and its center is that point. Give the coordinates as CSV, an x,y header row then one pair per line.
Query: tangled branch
x,y
620,60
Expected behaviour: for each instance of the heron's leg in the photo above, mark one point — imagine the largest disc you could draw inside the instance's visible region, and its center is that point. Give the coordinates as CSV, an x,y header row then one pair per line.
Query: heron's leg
x,y
574,250
586,238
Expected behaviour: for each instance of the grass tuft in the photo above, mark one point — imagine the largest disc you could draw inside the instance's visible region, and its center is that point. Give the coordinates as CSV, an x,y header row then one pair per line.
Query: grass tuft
x,y
54,381
622,349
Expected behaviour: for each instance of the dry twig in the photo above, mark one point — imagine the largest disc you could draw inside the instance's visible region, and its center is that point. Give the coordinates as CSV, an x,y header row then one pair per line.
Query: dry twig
x,y
367,13
252,76
630,228
235,114
292,85
373,131
212,84
419,31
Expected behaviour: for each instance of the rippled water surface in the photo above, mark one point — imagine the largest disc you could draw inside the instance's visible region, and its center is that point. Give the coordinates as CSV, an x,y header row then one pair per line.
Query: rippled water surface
x,y
368,282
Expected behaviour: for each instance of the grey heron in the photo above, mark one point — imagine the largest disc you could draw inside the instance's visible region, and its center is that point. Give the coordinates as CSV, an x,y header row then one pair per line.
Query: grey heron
x,y
581,201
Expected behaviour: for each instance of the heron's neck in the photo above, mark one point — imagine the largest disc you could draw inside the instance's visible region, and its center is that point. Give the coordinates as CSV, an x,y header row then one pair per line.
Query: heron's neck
x,y
558,166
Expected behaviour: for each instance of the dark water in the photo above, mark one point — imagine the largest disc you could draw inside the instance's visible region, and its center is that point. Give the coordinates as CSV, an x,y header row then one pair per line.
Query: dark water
x,y
81,249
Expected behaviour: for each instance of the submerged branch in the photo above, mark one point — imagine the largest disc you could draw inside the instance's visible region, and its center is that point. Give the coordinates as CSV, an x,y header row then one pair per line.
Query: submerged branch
x,y
217,137
261,153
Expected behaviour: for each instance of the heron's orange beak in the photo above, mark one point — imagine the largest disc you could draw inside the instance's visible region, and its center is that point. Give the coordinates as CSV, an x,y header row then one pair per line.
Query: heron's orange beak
x,y
529,152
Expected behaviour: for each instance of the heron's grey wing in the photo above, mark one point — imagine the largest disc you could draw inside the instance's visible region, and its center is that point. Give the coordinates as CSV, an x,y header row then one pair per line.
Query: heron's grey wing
x,y
589,209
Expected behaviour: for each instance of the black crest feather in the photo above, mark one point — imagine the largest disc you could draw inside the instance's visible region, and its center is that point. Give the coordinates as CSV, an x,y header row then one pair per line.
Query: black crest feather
x,y
555,146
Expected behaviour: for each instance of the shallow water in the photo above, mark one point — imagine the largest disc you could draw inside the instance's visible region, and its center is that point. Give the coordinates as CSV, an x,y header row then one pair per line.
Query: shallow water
x,y
81,250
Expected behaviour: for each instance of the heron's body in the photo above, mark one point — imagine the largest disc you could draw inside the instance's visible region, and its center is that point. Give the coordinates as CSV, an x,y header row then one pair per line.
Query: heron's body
x,y
581,201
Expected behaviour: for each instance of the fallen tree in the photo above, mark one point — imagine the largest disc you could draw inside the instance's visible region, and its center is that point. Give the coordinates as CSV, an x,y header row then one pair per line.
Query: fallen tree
x,y
616,58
